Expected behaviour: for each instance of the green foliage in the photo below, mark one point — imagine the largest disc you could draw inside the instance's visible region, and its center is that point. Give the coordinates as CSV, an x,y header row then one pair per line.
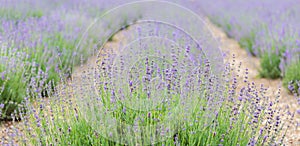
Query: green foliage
x,y
248,42
35,14
224,25
16,82
292,74
13,92
15,14
270,66
218,132
78,131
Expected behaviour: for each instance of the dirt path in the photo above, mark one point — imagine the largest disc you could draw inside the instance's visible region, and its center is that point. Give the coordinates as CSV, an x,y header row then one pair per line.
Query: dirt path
x,y
230,47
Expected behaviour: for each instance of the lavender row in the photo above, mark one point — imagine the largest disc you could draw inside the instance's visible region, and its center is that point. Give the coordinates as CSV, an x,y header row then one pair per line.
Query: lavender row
x,y
267,29
38,40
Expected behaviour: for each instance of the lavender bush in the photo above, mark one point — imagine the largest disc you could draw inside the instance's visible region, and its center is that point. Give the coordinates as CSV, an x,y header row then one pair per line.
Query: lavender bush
x,y
247,117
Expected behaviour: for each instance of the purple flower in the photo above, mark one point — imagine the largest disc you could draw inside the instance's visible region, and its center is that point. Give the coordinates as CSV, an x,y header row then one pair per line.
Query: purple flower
x,y
298,111
1,106
240,98
3,75
124,110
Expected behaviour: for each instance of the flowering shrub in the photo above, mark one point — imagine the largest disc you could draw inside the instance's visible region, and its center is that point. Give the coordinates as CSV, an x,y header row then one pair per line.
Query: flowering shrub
x,y
246,116
270,64
292,78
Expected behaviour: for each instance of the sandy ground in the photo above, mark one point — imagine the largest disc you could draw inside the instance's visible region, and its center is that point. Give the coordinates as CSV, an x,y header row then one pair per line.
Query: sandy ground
x,y
228,46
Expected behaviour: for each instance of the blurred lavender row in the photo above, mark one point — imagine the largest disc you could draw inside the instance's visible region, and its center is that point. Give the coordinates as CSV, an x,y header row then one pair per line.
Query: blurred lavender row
x,y
38,40
262,27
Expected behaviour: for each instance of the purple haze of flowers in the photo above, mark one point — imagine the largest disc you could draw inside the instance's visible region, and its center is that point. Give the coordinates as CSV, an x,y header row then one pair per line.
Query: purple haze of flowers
x,y
270,25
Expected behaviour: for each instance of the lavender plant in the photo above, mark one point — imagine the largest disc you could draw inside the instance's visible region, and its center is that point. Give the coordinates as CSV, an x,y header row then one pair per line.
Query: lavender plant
x,y
292,78
247,117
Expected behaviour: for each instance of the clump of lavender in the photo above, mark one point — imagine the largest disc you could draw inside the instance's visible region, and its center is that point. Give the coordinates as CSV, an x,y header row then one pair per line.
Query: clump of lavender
x,y
292,75
246,115
12,83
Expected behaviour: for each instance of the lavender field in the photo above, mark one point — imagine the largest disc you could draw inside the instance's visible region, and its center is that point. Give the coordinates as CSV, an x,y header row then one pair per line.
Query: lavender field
x,y
196,72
